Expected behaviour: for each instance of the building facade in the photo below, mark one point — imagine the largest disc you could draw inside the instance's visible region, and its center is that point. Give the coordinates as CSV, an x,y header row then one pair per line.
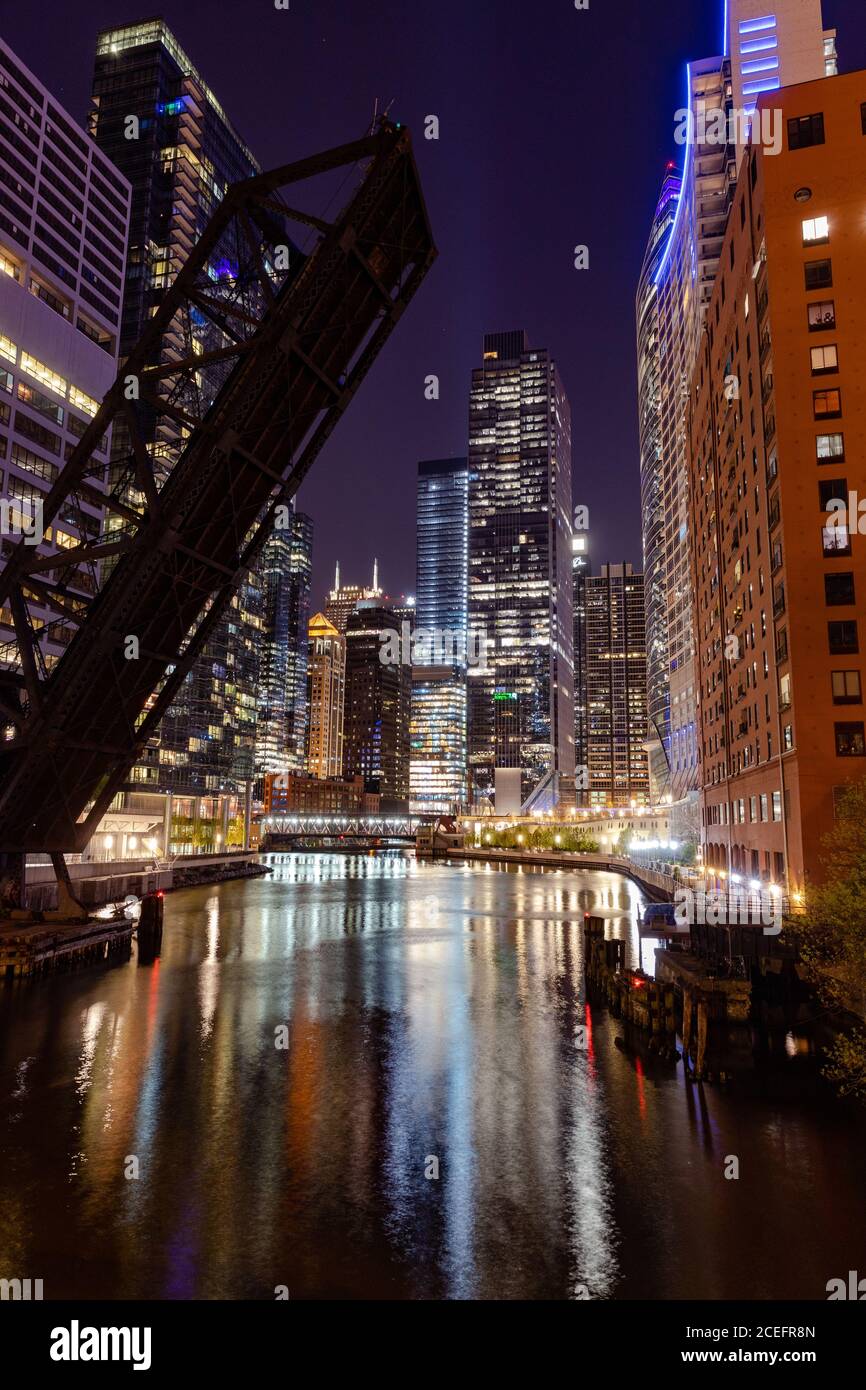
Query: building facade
x,y
616,688
581,569
521,703
153,113
64,214
285,571
344,598
438,713
779,572
378,692
326,698
297,793
761,52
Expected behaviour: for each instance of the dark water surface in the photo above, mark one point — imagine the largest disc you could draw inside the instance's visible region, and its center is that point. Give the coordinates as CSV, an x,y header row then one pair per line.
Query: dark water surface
x,y
432,1014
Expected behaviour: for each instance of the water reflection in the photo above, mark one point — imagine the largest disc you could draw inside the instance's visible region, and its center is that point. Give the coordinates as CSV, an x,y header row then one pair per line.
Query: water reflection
x,y
434,1128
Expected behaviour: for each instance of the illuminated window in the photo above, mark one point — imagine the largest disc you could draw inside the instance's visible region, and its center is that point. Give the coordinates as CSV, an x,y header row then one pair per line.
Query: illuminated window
x,y
8,349
824,359
827,404
822,315
82,402
815,230
48,378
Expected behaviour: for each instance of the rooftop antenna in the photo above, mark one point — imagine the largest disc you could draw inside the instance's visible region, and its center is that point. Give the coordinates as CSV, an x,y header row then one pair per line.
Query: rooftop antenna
x,y
337,576
376,575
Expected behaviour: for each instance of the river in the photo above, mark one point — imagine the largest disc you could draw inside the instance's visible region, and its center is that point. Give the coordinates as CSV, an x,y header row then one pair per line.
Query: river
x,y
361,1077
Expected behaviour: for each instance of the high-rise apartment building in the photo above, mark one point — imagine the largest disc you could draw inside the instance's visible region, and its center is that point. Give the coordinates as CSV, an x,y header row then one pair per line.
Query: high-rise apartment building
x,y
653,489
581,569
521,703
64,212
285,571
616,687
762,52
376,726
155,116
326,698
344,598
438,715
777,413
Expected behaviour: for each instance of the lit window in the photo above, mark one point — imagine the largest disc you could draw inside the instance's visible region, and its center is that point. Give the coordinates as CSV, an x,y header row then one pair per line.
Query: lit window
x,y
829,447
815,230
824,359
822,315
827,403
82,402
8,349
36,369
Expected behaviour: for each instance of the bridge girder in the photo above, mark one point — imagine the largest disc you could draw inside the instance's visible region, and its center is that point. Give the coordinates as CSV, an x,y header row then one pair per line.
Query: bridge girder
x,y
289,345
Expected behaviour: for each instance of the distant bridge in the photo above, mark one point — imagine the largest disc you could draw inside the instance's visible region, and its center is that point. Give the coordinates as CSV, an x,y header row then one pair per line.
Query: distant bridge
x,y
293,831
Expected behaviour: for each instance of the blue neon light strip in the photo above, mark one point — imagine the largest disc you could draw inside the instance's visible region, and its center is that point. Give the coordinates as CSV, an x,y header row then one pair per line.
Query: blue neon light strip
x,y
763,65
750,26
678,214
769,84
759,45
725,32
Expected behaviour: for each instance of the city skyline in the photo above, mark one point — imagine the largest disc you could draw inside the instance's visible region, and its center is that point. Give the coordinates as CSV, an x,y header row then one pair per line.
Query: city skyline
x,y
496,284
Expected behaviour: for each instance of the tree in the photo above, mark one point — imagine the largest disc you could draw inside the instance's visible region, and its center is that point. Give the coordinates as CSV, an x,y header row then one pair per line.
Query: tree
x,y
832,937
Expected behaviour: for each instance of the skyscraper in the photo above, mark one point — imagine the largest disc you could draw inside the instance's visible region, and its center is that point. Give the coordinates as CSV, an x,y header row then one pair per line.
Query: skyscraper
x,y
762,51
776,468
285,570
64,210
616,687
326,698
344,598
376,726
155,116
521,706
581,569
438,716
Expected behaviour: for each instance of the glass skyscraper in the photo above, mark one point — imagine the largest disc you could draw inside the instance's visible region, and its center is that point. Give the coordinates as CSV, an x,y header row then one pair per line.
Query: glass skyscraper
x,y
285,571
438,717
616,687
183,155
521,707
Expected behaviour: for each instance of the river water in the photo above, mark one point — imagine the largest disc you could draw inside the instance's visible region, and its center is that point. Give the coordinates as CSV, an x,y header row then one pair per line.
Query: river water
x,y
433,1127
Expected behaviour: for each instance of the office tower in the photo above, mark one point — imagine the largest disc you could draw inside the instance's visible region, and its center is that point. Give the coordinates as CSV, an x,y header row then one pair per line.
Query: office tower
x,y
326,696
616,687
344,598
285,570
653,483
64,210
762,51
776,414
182,156
438,715
376,725
521,706
581,569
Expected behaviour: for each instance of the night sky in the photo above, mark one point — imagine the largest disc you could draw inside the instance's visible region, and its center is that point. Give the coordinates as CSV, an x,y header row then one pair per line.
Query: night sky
x,y
554,128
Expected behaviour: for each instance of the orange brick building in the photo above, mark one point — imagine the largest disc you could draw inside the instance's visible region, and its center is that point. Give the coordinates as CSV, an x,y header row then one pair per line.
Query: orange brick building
x,y
777,429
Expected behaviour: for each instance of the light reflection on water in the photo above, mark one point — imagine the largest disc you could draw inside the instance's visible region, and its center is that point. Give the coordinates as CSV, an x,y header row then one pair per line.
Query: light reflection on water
x,y
432,1013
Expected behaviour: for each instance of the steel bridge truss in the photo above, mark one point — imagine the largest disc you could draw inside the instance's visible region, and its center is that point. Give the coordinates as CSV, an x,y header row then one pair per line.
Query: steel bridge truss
x,y
265,349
